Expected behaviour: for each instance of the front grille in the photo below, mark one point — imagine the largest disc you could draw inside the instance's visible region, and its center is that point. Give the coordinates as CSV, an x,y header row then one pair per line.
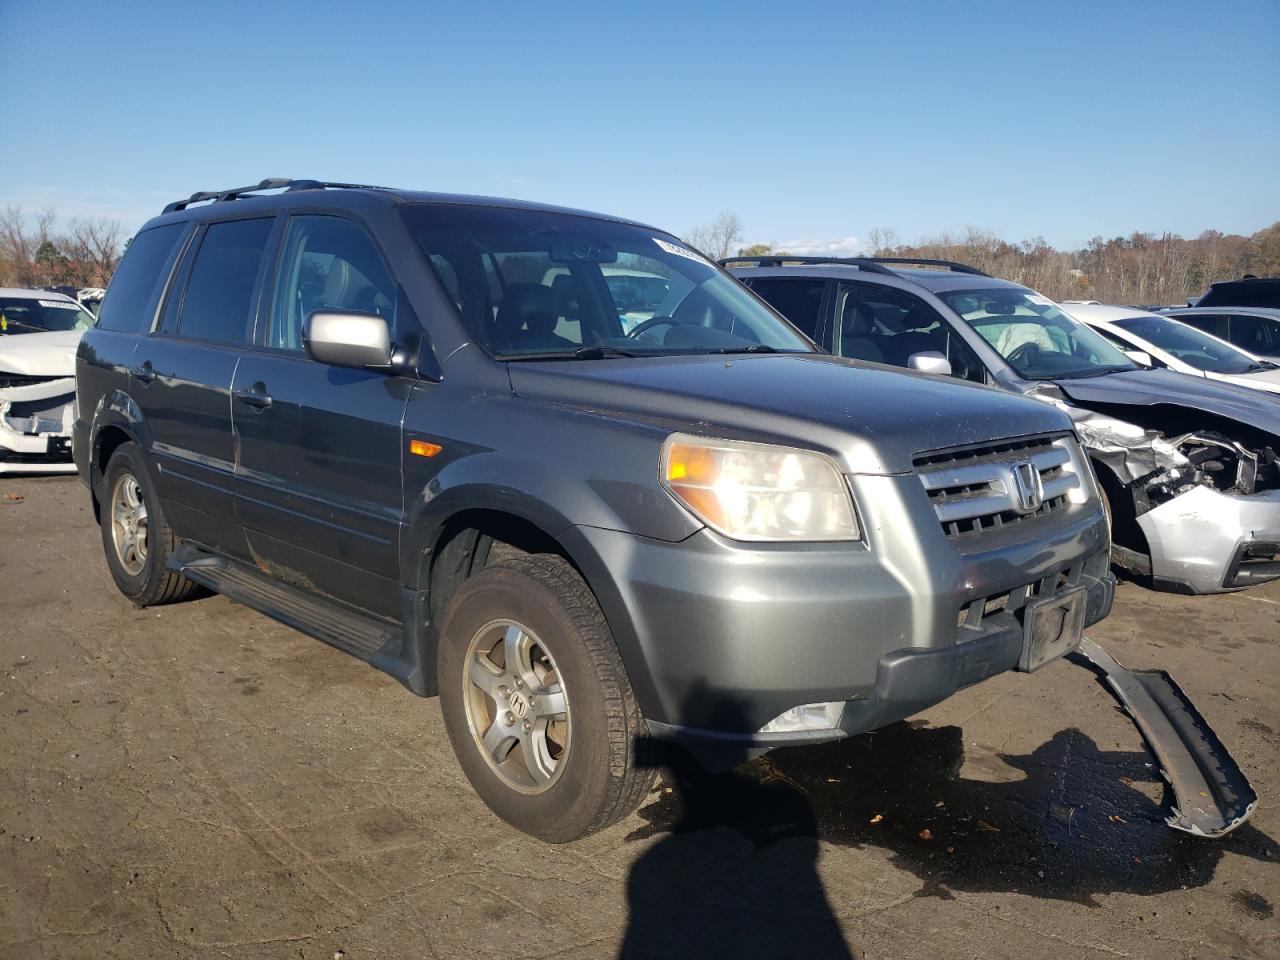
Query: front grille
x,y
23,380
976,490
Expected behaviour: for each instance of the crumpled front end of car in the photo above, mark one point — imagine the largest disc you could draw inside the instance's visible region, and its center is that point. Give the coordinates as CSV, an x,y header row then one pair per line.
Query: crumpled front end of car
x,y
1208,505
36,416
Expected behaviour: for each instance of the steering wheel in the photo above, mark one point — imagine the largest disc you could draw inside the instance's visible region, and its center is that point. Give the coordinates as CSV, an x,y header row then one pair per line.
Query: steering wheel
x,y
646,325
1024,356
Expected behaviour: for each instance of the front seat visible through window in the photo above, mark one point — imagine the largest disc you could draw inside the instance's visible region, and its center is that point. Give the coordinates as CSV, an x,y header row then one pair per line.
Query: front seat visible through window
x,y
527,319
857,332
912,338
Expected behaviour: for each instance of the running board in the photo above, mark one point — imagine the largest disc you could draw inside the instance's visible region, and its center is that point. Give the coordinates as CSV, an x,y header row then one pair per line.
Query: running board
x,y
361,636
1211,794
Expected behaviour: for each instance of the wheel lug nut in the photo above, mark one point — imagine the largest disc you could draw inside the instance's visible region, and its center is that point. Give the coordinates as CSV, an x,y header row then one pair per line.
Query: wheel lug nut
x,y
510,718
504,689
519,682
528,725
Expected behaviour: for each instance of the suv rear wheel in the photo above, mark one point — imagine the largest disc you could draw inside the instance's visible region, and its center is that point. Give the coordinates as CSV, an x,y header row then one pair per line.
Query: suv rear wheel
x,y
135,536
537,703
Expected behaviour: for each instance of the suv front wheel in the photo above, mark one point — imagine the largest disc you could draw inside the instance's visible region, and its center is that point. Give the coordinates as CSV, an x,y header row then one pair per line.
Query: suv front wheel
x,y
537,703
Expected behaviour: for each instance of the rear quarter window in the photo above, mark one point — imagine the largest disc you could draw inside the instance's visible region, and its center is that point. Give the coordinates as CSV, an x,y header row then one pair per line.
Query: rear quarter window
x,y
131,298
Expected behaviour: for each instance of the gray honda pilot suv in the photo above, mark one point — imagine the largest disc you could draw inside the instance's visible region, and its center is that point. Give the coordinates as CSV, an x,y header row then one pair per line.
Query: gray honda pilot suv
x,y
563,471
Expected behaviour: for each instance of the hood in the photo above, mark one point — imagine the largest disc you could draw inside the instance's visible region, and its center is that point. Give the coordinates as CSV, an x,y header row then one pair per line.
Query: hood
x,y
41,354
1258,380
873,418
1154,388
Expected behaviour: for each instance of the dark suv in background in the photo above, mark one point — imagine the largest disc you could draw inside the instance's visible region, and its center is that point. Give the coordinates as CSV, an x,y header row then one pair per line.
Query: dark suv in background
x,y
422,429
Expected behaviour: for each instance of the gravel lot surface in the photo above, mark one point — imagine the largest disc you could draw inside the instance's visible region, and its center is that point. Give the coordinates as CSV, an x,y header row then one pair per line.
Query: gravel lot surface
x,y
199,781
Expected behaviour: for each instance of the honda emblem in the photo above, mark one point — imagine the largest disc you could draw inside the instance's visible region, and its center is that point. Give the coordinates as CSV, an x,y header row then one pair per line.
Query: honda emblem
x,y
1028,488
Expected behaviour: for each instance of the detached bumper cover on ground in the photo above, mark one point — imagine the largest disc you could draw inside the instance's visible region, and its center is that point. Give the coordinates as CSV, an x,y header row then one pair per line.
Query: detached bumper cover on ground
x,y
1212,796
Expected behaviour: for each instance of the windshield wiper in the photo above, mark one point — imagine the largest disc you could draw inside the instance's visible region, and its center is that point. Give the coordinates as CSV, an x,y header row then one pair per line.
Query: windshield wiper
x,y
1096,372
754,348
582,353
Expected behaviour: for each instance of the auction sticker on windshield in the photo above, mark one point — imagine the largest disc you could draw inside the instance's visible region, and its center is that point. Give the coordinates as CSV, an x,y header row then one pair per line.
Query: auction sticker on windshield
x,y
1039,300
680,251
59,304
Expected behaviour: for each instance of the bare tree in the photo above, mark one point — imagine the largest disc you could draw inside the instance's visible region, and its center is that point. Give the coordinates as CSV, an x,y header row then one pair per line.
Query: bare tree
x,y
718,238
34,253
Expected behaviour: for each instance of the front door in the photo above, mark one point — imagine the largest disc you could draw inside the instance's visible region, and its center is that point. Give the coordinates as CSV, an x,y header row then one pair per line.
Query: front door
x,y
318,482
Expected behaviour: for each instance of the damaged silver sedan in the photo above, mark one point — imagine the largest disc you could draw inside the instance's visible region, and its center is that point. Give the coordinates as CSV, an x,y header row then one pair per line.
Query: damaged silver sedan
x,y
1190,467
39,332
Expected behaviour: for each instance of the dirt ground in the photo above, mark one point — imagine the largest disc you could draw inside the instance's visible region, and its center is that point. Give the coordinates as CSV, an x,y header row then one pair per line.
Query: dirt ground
x,y
199,781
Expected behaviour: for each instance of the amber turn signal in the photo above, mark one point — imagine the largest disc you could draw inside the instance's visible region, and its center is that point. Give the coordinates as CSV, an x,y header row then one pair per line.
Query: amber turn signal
x,y
420,448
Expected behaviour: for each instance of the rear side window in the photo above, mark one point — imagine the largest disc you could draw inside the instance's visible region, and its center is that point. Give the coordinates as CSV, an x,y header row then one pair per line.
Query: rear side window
x,y
131,297
1208,322
797,299
1255,334
218,302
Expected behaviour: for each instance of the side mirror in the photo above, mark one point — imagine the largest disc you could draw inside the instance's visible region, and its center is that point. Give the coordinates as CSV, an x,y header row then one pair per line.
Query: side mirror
x,y
930,361
360,340
1140,357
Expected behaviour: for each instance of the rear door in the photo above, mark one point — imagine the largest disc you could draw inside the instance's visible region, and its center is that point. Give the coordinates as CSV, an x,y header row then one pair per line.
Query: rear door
x,y
182,373
318,481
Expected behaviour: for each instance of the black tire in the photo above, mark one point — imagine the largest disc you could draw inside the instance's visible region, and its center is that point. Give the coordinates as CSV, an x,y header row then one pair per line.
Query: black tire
x,y
152,583
607,769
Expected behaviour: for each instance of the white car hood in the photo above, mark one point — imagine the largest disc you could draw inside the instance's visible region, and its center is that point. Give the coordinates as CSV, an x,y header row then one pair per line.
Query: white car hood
x,y
1261,380
40,354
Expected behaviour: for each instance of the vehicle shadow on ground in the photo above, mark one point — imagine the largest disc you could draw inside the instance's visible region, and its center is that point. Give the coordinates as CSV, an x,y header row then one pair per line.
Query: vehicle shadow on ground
x,y
736,873
736,876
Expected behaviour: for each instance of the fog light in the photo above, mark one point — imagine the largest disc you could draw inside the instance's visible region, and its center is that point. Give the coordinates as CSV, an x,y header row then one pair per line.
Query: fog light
x,y
807,716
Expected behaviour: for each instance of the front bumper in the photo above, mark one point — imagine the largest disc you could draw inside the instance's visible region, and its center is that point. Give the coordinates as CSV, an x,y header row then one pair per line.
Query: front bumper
x,y
1206,541
35,428
719,637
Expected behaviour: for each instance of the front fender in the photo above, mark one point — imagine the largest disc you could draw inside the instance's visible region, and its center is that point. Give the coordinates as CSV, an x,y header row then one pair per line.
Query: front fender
x,y
553,500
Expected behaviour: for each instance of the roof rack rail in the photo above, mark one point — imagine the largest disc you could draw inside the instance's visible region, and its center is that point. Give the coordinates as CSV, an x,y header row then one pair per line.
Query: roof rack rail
x,y
777,260
924,262
272,183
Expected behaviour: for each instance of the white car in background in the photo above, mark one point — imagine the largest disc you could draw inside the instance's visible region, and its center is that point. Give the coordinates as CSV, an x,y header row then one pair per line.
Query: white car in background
x,y
1163,341
39,333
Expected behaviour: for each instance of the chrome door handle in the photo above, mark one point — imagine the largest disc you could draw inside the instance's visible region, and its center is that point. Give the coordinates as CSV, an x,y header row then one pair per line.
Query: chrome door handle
x,y
255,396
145,373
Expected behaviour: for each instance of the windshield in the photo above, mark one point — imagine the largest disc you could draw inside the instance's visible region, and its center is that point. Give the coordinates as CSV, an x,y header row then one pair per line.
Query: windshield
x,y
530,283
33,315
1190,345
1037,339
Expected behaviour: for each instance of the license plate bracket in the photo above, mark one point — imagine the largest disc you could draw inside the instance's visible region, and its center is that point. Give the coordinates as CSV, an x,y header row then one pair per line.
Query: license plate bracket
x,y
1052,628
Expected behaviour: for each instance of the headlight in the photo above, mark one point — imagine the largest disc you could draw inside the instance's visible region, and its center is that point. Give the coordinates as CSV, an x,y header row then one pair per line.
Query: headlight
x,y
757,491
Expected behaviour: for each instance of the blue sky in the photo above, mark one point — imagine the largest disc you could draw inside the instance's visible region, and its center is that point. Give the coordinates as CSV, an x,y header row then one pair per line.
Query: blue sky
x,y
814,122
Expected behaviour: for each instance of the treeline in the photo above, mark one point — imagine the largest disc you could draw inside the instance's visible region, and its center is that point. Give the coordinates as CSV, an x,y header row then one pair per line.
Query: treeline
x,y
40,251
1141,268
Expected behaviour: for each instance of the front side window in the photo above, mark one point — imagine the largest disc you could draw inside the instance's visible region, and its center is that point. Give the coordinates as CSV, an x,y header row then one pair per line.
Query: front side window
x,y
135,287
40,315
328,264
1191,346
531,283
1255,334
799,299
1036,339
218,302
887,325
